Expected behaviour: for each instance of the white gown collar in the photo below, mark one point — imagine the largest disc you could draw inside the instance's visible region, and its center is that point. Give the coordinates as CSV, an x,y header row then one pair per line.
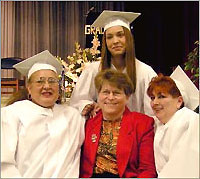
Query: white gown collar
x,y
40,109
113,67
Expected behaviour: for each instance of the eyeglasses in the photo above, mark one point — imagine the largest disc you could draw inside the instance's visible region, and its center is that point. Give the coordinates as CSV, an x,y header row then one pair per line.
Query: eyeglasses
x,y
42,81
115,93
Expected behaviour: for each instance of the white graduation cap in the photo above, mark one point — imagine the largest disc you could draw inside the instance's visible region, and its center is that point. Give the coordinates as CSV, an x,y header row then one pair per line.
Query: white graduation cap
x,y
109,19
188,90
41,61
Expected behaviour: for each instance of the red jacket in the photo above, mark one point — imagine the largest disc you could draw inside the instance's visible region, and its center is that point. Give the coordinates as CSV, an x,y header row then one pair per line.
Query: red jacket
x,y
135,157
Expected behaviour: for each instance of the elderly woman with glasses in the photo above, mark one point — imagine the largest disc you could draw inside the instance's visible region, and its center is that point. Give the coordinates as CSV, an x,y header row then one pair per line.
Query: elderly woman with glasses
x,y
118,143
39,138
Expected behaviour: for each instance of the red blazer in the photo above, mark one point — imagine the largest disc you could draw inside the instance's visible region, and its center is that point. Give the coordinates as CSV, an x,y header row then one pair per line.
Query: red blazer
x,y
135,156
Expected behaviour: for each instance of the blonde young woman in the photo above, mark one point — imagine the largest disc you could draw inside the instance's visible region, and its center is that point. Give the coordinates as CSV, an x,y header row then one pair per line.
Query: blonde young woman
x,y
117,53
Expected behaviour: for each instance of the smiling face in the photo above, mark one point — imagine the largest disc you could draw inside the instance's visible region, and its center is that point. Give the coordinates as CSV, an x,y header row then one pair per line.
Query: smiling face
x,y
115,40
165,97
165,105
112,101
44,88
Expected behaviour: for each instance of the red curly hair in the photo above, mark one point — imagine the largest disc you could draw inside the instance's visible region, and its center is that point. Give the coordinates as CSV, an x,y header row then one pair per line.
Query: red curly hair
x,y
163,84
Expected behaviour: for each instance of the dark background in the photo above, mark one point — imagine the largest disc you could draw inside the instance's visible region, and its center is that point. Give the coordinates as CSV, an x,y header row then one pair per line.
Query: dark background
x,y
164,33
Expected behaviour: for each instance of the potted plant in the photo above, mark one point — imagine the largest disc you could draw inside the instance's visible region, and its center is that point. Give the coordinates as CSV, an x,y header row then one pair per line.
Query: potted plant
x,y
191,65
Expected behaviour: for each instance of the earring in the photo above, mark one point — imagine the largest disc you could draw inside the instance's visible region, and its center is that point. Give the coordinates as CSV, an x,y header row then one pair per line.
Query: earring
x,y
29,97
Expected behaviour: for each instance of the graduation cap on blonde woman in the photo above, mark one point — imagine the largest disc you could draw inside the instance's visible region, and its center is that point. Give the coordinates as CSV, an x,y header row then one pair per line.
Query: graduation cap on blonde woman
x,y
109,19
41,61
188,90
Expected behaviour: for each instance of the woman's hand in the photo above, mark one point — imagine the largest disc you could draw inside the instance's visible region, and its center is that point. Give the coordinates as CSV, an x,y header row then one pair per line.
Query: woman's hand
x,y
90,110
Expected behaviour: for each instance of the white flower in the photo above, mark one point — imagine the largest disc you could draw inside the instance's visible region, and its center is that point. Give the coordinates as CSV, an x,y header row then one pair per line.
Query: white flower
x,y
79,70
77,63
71,66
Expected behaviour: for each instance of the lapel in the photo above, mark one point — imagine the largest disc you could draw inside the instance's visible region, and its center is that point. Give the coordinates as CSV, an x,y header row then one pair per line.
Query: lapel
x,y
124,144
94,135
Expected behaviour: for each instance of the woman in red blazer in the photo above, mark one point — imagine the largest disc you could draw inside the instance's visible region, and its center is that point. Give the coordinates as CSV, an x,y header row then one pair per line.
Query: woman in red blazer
x,y
118,143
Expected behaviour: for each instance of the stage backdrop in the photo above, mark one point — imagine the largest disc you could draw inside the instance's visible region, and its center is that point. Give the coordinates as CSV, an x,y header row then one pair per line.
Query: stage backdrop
x,y
29,27
164,33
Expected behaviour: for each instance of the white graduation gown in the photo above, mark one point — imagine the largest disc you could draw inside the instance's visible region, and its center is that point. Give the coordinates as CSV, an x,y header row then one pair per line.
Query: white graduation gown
x,y
38,142
176,146
85,92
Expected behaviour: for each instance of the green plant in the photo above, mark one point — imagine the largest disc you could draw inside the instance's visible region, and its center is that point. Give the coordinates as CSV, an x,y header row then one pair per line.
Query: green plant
x,y
192,63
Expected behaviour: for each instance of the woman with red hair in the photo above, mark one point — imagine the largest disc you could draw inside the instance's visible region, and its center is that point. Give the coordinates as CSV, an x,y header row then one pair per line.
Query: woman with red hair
x,y
176,142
